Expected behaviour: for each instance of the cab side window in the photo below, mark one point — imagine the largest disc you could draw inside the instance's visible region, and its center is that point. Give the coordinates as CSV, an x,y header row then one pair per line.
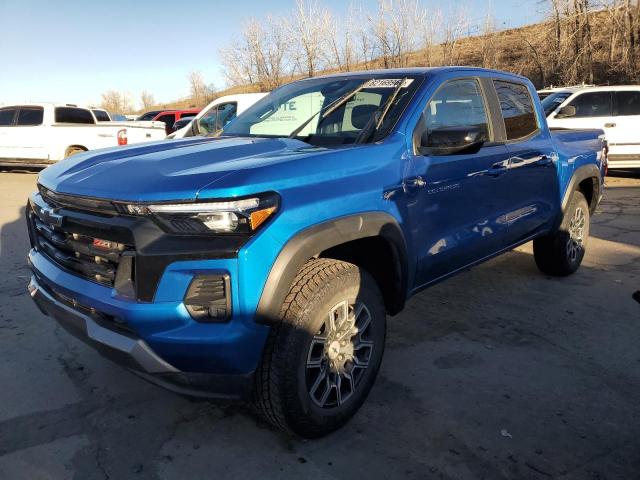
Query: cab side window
x,y
628,103
30,116
6,116
592,104
517,109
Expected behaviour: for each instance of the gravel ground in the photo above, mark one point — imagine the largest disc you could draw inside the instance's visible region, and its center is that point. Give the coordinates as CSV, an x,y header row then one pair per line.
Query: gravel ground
x,y
500,372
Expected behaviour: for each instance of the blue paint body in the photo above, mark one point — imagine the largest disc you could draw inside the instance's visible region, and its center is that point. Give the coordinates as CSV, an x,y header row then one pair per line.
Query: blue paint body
x,y
461,217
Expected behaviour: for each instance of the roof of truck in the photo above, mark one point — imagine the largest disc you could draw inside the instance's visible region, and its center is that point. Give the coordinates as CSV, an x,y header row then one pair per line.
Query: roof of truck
x,y
420,71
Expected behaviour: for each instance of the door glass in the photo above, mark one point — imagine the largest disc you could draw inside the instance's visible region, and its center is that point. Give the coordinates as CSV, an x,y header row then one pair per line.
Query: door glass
x,y
517,109
592,104
628,103
30,116
217,117
73,115
458,103
6,116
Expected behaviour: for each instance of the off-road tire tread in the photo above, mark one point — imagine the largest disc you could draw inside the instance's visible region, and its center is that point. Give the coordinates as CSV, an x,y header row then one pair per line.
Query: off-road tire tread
x,y
308,283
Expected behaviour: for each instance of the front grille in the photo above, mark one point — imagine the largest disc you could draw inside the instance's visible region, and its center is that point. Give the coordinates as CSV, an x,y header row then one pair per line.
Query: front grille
x,y
73,202
93,258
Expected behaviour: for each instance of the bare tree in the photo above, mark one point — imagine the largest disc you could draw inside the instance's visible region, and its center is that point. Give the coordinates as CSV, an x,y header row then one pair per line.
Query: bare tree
x,y
147,100
488,42
309,34
428,22
455,26
197,87
259,57
116,102
391,31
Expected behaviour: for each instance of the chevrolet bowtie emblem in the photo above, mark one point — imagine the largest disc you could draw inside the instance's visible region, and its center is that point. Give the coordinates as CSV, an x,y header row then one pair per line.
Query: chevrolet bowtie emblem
x,y
51,216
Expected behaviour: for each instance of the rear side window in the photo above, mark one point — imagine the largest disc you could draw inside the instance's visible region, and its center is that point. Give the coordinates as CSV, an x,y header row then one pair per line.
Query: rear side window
x,y
6,116
101,115
628,103
592,104
517,109
30,116
73,115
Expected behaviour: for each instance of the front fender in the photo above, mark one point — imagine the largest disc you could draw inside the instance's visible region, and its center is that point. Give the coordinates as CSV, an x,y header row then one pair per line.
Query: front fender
x,y
317,238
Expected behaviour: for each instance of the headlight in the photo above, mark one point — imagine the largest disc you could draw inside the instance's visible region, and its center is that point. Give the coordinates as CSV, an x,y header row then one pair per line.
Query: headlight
x,y
241,216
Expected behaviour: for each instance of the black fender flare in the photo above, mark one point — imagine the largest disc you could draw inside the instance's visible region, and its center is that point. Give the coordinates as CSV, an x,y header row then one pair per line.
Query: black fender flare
x,y
583,173
315,239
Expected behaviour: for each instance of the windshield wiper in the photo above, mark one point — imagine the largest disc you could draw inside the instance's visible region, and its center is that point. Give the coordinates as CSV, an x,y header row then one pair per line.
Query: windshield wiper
x,y
374,123
329,109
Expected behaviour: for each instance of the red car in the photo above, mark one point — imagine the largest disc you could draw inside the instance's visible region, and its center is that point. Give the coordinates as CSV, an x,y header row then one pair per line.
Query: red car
x,y
169,117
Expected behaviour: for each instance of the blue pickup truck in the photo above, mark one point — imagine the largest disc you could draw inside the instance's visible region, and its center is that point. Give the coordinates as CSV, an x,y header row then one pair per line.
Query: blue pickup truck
x,y
262,264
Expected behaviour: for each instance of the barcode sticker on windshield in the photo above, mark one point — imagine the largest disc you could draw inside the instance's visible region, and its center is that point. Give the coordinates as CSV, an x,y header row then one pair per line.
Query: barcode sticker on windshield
x,y
388,82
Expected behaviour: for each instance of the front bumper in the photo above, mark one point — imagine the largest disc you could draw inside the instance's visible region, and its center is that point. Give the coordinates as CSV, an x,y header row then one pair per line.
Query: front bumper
x,y
130,351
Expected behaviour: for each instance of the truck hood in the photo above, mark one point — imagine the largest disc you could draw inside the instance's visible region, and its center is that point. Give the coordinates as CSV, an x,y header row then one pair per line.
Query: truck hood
x,y
170,170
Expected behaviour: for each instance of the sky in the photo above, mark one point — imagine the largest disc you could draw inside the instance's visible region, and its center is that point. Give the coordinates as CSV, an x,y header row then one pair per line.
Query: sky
x,y
71,51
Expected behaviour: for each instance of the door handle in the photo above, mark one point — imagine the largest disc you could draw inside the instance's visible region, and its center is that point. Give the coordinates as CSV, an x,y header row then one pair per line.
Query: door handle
x,y
609,125
497,169
415,182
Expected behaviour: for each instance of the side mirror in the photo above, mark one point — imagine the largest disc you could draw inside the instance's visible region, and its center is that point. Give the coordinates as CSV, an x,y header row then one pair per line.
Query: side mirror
x,y
566,111
452,140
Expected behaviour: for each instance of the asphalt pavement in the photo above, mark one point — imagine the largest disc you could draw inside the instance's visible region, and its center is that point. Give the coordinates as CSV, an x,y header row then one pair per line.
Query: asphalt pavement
x,y
500,372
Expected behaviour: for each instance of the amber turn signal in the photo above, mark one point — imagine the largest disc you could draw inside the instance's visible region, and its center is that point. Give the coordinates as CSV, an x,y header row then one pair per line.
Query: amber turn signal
x,y
258,217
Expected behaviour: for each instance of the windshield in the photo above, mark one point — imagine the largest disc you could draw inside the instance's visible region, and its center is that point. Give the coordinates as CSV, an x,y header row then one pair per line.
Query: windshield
x,y
287,108
553,101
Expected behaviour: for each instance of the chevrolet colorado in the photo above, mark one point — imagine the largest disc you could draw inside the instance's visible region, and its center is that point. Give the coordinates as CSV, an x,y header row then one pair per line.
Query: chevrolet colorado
x,y
261,264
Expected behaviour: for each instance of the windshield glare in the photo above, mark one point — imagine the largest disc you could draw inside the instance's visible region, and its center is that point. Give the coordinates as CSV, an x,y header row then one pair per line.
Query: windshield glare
x,y
553,101
285,109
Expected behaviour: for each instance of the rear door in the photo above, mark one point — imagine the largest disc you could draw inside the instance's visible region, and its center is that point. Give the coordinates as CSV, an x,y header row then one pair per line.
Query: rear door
x,y
532,176
624,132
458,199
7,129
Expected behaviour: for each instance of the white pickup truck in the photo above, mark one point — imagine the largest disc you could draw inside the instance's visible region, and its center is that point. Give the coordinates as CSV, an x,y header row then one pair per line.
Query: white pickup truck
x,y
614,109
38,134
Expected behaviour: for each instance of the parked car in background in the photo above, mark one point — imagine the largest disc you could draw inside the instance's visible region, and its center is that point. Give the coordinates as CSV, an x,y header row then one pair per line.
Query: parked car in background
x,y
150,115
39,134
103,115
217,114
262,264
553,97
615,109
170,117
183,122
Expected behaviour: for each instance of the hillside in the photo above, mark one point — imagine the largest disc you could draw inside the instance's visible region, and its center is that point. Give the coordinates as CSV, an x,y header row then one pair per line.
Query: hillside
x,y
564,50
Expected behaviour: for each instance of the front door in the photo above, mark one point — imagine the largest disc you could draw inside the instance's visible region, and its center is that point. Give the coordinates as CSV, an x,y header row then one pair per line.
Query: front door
x,y
459,198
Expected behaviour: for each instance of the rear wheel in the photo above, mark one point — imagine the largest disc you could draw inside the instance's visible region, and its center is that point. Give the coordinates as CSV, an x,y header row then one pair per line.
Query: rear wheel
x,y
561,253
322,358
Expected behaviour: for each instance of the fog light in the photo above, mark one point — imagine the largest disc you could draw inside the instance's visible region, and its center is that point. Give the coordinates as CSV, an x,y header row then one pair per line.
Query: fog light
x,y
208,298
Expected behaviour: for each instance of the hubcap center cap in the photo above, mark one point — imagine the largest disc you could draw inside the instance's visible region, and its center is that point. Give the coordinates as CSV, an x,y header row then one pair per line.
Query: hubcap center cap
x,y
334,350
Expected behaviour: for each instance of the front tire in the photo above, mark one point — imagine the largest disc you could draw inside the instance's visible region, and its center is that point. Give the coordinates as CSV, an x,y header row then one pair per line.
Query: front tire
x,y
322,358
561,253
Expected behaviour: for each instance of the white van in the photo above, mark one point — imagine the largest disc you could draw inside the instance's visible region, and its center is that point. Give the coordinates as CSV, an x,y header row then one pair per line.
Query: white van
x,y
217,114
616,110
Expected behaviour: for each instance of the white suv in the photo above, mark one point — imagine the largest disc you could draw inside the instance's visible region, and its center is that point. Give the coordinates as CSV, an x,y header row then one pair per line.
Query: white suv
x,y
616,110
